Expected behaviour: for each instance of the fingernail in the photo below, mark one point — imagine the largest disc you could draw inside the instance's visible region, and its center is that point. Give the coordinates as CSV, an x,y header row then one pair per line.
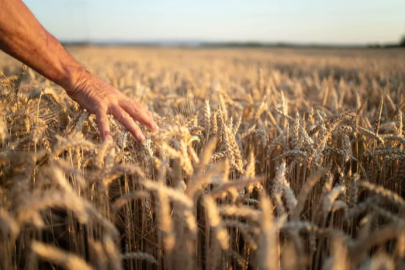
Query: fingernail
x,y
155,127
140,137
107,136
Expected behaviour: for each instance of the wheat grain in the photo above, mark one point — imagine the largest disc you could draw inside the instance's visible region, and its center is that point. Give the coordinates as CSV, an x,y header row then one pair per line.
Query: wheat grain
x,y
138,205
57,256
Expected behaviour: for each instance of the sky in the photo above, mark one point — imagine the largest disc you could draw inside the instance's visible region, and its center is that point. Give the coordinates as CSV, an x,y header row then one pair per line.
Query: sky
x,y
297,21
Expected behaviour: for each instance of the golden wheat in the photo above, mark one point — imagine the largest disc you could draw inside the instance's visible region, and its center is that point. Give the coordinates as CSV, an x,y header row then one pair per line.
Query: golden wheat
x,y
265,159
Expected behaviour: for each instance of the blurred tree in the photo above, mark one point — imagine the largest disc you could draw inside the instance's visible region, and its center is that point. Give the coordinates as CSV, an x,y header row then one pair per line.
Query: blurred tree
x,y
402,42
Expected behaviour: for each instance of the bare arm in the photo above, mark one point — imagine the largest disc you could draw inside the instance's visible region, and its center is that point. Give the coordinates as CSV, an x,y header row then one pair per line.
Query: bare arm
x,y
24,38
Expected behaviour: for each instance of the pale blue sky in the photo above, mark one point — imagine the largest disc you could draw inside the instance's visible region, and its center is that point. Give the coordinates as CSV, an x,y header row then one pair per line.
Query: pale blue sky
x,y
303,21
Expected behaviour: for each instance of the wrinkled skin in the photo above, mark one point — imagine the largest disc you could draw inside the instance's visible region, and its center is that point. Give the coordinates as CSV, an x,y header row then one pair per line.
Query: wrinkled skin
x,y
102,99
23,37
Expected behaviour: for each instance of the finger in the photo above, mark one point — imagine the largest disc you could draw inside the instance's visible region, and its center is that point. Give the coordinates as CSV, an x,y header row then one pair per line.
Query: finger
x,y
140,113
103,125
126,120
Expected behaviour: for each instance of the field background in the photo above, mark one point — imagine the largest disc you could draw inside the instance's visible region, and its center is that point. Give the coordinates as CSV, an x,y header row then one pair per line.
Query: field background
x,y
265,159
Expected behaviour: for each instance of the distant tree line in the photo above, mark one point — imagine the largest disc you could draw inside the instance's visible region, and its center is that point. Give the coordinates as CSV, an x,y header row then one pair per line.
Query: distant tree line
x,y
402,42
248,44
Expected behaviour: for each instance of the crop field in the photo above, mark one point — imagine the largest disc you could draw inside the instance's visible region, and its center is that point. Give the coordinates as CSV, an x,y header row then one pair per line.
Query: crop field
x,y
265,159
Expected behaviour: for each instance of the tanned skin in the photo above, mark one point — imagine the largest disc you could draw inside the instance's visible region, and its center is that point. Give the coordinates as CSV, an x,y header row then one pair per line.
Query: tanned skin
x,y
24,38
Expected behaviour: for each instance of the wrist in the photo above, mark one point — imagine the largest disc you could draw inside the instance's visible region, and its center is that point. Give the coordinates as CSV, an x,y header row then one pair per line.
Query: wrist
x,y
74,76
63,68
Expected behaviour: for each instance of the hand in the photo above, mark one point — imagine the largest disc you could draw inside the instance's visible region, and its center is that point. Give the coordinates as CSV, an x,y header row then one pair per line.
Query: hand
x,y
23,37
102,99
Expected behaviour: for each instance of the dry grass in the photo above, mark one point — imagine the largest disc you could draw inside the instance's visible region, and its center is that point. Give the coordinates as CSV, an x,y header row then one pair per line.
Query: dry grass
x,y
265,159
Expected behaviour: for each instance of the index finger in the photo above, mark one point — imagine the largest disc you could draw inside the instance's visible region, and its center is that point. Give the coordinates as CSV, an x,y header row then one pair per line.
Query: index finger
x,y
140,113
103,126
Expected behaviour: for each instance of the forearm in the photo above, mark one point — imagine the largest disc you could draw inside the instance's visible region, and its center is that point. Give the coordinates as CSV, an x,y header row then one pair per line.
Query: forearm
x,y
23,37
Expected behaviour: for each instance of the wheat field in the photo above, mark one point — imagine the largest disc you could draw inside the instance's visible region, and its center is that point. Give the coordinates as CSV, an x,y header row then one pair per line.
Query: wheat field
x,y
265,159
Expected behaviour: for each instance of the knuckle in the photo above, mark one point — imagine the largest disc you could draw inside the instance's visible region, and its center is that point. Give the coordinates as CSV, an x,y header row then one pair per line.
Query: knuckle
x,y
125,115
138,130
136,104
100,106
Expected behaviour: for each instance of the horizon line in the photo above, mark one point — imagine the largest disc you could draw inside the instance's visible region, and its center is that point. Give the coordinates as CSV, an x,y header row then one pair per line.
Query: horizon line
x,y
231,43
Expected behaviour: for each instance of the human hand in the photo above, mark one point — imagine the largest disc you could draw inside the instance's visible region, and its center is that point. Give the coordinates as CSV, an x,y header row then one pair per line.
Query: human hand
x,y
23,37
102,99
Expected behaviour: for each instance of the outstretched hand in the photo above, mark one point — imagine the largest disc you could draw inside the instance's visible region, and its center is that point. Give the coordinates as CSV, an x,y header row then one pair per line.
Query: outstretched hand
x,y
102,99
23,37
